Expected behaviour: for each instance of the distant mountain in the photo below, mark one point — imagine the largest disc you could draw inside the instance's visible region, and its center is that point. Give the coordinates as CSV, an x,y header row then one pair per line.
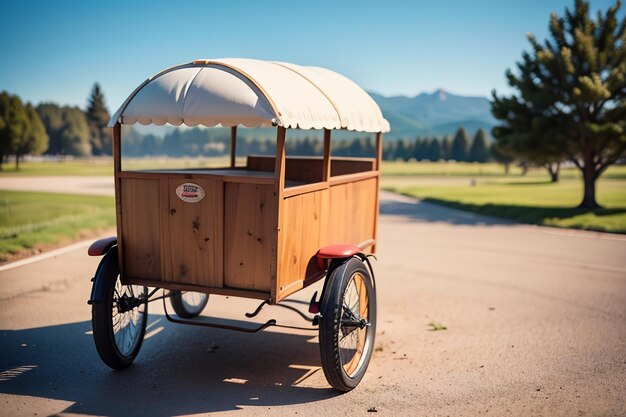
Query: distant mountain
x,y
439,113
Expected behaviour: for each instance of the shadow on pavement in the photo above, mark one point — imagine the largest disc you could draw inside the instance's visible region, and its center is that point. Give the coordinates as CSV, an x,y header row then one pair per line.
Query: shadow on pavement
x,y
180,370
422,211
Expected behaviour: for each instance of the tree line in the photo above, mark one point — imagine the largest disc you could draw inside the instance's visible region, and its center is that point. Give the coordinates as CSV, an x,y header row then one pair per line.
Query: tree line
x,y
460,148
49,128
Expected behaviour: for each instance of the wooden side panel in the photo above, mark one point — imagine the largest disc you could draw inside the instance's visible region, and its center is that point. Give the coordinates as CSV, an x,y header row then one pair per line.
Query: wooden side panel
x,y
311,169
302,235
140,228
260,163
296,169
193,252
343,166
352,212
250,222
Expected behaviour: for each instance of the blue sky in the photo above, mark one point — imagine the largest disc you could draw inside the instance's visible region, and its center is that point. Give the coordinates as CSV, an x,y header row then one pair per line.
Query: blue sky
x,y
56,50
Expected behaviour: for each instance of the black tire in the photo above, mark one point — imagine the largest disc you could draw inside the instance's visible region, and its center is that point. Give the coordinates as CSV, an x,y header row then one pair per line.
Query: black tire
x,y
188,304
108,321
343,366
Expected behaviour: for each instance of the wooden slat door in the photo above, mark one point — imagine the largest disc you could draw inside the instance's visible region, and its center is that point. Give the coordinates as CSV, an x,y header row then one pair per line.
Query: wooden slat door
x,y
193,234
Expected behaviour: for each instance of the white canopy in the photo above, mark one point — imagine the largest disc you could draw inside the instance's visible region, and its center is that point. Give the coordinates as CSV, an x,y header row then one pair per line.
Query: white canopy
x,y
252,93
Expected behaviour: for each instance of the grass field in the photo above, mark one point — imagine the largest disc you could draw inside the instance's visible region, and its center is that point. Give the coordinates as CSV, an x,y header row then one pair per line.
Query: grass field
x,y
529,199
104,166
28,220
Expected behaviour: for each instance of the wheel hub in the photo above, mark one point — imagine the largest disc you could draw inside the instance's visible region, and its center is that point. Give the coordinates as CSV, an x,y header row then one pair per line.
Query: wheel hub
x,y
126,303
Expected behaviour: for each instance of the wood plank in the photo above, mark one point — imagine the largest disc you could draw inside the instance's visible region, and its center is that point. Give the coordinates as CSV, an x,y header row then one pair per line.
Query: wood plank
x,y
230,175
189,287
344,166
250,219
194,247
326,156
233,145
352,212
379,158
349,178
302,220
117,168
140,229
279,188
303,189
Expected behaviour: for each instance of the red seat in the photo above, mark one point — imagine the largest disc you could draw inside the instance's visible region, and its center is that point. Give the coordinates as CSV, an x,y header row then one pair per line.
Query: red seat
x,y
335,252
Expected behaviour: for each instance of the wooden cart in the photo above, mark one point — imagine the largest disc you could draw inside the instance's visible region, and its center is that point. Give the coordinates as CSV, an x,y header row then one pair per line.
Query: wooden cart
x,y
264,230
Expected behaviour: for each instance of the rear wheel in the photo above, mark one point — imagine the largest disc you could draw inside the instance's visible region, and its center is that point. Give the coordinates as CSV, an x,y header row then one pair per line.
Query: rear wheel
x,y
347,324
119,320
188,304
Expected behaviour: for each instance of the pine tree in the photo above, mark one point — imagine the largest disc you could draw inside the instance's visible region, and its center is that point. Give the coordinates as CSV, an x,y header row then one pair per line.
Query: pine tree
x,y
460,145
570,95
98,118
446,148
424,150
403,150
434,151
389,150
479,151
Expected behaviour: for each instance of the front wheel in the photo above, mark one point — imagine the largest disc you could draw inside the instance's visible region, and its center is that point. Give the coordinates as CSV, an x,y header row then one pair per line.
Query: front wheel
x,y
347,324
119,319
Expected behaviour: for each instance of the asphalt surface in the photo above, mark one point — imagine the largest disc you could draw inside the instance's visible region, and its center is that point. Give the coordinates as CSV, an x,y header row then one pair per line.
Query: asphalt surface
x,y
535,317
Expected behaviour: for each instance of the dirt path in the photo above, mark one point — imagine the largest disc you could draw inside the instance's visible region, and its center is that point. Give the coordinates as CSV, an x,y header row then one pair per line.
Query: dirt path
x,y
535,323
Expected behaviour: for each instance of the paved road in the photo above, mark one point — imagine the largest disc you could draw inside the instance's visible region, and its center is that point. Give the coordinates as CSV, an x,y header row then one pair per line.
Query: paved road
x,y
63,184
535,317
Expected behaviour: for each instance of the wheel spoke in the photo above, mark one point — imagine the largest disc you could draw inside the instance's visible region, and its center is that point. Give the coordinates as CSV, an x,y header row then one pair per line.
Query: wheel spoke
x,y
355,308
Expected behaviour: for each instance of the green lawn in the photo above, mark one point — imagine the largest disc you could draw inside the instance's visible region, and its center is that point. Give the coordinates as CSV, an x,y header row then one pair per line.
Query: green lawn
x,y
104,166
92,166
529,199
29,219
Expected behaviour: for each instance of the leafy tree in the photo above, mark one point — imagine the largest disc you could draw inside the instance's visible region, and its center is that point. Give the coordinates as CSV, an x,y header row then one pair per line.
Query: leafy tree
x,y
13,123
34,141
460,146
67,129
479,151
52,117
75,132
98,117
21,130
150,145
571,94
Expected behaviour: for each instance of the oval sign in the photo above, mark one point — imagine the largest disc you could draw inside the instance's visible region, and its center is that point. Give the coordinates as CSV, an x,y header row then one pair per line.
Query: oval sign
x,y
190,192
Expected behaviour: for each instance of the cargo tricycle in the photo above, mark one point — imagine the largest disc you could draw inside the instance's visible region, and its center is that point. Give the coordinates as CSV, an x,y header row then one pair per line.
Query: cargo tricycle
x,y
260,230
